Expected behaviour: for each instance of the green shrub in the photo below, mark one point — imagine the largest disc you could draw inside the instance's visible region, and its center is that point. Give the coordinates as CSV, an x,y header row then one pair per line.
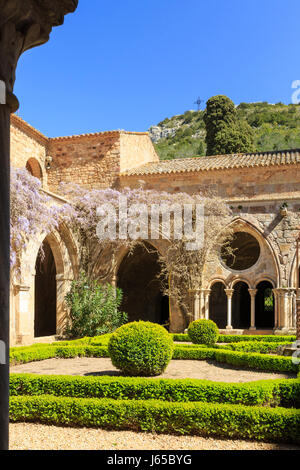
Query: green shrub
x,y
94,308
264,338
32,354
180,337
236,358
141,348
253,346
258,361
203,419
203,332
282,392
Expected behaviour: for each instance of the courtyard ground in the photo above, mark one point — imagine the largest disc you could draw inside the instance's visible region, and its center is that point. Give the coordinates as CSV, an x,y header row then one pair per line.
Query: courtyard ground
x,y
26,436
177,369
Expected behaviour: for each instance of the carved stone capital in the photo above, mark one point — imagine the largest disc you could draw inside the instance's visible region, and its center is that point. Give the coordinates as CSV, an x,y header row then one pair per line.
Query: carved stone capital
x,y
25,24
229,293
252,292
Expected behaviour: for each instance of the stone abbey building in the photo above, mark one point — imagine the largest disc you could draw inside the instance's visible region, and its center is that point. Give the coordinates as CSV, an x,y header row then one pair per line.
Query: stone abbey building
x,y
255,294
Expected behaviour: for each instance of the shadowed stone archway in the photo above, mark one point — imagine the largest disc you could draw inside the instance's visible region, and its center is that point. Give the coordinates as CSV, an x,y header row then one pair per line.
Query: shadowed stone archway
x,y
218,305
45,293
241,306
264,306
142,296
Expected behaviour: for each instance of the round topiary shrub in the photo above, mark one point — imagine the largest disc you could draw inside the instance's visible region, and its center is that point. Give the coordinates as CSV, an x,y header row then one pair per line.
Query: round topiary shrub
x,y
141,349
203,332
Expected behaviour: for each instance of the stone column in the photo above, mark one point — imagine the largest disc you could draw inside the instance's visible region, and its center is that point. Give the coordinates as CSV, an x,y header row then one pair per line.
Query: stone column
x,y
206,302
252,293
197,305
275,308
23,24
25,331
229,293
201,304
284,309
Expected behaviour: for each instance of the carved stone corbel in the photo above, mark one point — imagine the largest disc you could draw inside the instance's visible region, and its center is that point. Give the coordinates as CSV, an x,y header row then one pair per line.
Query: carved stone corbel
x,y
25,24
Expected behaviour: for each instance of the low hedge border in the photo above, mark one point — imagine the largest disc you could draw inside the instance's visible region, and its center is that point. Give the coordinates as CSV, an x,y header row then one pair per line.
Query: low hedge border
x,y
284,393
239,359
253,346
246,346
180,337
204,419
32,354
258,361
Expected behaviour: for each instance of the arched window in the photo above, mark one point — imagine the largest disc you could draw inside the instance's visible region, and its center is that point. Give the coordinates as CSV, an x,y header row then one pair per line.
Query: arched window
x,y
34,168
244,252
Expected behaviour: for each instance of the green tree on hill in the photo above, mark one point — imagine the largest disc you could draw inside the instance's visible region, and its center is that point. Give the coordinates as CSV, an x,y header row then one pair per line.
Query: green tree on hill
x,y
224,132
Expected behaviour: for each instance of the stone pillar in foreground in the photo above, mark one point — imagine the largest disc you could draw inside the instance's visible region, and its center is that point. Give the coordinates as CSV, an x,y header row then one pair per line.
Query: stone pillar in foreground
x,y
24,24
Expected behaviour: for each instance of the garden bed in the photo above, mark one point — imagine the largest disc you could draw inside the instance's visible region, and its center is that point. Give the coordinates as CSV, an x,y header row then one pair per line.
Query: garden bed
x,y
230,401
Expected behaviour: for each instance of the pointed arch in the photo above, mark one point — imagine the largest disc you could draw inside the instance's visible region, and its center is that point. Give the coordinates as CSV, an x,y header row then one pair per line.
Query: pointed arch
x,y
239,223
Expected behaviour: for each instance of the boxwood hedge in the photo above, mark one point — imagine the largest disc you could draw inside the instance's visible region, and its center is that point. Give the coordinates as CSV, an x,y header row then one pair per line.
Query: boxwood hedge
x,y
204,419
253,346
283,392
180,337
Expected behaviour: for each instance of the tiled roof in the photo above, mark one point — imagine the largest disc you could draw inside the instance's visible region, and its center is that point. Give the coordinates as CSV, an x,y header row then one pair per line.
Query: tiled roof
x,y
219,162
18,121
95,134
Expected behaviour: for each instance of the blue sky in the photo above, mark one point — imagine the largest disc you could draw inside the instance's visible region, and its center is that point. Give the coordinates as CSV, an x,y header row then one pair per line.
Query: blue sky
x,y
129,64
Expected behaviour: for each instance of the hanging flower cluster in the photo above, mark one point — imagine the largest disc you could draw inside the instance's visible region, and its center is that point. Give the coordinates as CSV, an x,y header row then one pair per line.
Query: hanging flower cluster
x,y
32,211
185,267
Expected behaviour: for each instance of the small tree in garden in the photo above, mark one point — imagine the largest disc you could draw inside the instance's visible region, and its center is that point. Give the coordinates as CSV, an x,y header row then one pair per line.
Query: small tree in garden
x,y
94,308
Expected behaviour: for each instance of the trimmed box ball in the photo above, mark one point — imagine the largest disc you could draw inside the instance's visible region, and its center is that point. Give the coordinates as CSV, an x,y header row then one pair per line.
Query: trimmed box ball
x,y
203,332
141,349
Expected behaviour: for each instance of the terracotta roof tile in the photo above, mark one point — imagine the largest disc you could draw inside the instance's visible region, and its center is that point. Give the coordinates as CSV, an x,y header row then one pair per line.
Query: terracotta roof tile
x,y
218,162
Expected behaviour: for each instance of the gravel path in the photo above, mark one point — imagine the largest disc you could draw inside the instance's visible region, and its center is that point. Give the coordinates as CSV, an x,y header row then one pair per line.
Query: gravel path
x,y
178,369
25,436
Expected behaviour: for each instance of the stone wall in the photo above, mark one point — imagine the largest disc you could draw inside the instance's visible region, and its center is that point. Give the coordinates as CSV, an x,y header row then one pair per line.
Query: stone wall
x,y
89,160
27,144
136,150
270,182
